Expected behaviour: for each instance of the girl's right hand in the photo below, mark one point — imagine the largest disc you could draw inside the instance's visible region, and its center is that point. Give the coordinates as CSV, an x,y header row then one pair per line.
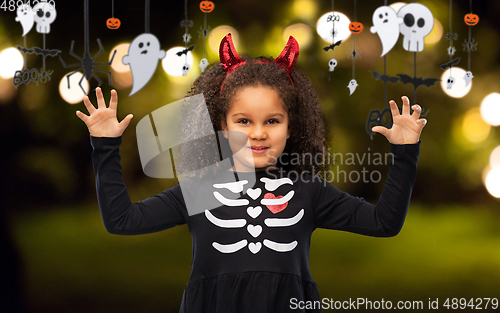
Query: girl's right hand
x,y
102,121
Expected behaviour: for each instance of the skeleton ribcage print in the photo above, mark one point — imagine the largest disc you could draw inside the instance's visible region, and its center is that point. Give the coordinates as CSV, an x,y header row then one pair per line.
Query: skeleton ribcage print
x,y
268,201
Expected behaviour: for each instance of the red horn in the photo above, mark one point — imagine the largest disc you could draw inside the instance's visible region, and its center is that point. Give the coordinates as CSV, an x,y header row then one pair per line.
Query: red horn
x,y
229,58
289,55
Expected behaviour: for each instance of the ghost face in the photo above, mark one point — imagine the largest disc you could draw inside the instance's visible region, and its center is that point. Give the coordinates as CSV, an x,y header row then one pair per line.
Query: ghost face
x,y
331,64
386,25
257,112
203,64
352,86
45,14
25,15
417,23
450,82
143,55
468,77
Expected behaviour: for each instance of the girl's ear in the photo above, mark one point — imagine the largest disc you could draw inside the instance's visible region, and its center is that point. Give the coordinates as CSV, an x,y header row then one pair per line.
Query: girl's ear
x,y
224,128
288,133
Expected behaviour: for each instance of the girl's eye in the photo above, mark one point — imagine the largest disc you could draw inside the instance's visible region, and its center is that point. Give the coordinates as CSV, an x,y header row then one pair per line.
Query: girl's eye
x,y
244,120
273,120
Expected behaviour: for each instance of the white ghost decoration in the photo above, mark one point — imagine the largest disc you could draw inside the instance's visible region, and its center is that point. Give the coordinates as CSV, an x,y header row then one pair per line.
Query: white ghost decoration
x,y
203,65
185,69
417,23
44,15
352,86
386,25
143,55
468,77
450,82
25,16
332,63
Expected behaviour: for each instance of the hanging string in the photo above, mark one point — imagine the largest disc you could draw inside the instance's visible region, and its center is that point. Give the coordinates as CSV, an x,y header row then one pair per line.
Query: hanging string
x,y
354,44
186,27
147,16
470,38
86,24
113,8
385,73
204,36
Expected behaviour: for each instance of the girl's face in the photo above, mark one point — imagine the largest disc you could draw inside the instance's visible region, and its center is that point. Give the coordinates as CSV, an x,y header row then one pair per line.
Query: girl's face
x,y
258,113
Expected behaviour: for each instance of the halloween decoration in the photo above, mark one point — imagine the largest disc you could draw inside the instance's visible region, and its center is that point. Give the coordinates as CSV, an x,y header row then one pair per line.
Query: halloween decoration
x,y
44,14
417,24
471,19
205,7
143,55
355,27
187,37
333,18
470,44
386,25
25,16
87,63
112,22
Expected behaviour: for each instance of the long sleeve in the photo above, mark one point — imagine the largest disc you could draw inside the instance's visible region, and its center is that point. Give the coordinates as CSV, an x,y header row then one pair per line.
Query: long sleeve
x,y
338,210
119,215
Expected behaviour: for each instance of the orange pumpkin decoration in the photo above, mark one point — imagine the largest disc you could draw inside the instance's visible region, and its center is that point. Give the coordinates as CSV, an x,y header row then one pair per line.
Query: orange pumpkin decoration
x,y
206,6
113,23
471,19
356,27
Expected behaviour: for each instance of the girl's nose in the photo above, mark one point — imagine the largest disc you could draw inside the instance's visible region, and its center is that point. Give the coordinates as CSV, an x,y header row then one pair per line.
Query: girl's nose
x,y
257,132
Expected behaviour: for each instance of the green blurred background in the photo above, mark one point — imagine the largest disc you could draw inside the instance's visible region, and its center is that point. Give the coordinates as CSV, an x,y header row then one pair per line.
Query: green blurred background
x,y
57,255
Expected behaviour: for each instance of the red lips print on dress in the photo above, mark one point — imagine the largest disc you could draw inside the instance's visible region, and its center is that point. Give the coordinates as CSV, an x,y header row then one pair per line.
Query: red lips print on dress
x,y
275,208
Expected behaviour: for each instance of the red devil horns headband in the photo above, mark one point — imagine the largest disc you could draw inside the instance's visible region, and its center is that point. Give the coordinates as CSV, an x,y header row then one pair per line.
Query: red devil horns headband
x,y
230,59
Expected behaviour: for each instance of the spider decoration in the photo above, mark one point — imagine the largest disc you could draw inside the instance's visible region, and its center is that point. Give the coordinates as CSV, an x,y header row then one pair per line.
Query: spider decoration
x,y
451,51
186,38
451,36
204,32
470,45
87,62
354,54
88,65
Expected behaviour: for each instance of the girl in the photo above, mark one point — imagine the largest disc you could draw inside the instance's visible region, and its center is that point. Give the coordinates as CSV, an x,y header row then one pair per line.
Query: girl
x,y
250,252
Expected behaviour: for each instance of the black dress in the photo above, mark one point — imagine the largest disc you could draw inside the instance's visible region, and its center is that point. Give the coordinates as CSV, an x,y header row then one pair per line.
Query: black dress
x,y
251,246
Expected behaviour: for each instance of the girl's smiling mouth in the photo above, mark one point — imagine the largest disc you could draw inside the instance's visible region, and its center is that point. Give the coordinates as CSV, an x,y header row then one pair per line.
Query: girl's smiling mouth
x,y
258,149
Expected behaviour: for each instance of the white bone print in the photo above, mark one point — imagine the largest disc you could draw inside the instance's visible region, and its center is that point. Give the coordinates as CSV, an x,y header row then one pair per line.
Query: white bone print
x,y
278,201
254,247
280,247
230,202
236,223
255,231
230,248
254,193
235,187
254,212
282,222
273,184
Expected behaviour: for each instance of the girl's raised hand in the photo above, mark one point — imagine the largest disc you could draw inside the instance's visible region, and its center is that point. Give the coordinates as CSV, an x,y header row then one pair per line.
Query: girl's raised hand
x,y
406,128
102,121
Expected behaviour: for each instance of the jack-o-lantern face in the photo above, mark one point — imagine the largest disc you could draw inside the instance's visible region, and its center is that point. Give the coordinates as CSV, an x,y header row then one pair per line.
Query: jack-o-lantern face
x,y
113,23
356,27
471,19
206,6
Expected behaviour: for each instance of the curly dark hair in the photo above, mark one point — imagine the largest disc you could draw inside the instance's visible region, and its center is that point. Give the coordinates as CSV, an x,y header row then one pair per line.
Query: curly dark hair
x,y
307,125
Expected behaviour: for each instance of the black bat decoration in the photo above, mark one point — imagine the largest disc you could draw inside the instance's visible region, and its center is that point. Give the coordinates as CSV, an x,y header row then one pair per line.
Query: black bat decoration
x,y
45,52
185,51
333,45
385,78
24,50
450,64
417,82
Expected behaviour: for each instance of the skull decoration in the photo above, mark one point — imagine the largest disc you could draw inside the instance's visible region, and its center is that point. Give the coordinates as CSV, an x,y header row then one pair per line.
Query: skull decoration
x,y
332,63
185,69
450,82
203,64
417,23
45,14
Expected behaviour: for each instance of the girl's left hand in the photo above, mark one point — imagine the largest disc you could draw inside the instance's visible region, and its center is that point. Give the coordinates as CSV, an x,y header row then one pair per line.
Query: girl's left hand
x,y
406,128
